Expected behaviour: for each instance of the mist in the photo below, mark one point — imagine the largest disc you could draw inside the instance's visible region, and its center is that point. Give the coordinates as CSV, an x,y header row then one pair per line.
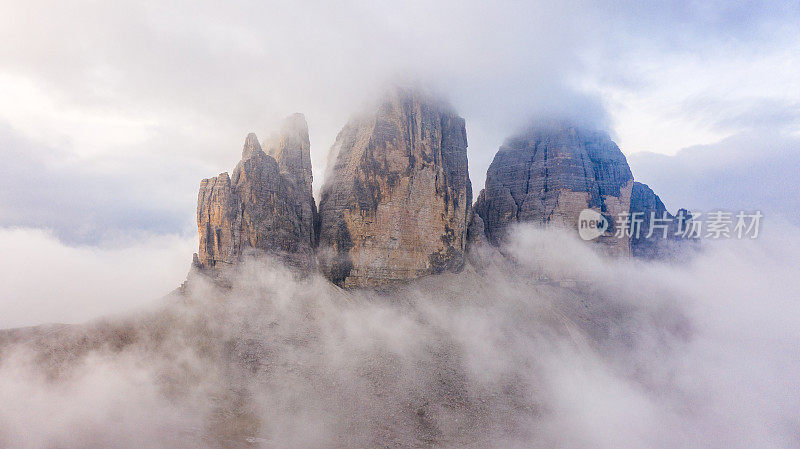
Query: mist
x,y
553,346
43,280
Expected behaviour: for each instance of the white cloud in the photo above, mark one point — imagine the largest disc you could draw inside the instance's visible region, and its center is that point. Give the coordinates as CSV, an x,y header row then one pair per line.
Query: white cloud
x,y
702,353
752,170
686,98
42,280
114,111
191,79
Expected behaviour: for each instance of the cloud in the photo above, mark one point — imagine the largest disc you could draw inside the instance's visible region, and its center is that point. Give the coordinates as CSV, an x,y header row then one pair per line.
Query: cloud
x,y
115,111
565,348
769,114
174,88
44,281
754,170
90,202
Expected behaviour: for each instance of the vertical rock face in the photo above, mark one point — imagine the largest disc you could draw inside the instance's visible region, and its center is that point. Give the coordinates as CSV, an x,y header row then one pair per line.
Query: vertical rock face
x,y
219,222
292,151
667,230
645,204
548,174
397,196
265,207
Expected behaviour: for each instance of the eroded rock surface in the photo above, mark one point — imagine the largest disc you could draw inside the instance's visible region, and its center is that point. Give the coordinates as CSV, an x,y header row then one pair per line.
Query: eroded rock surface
x,y
548,175
265,207
397,196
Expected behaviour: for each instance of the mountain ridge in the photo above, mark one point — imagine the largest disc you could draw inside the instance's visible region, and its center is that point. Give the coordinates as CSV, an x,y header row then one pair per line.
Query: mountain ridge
x,y
397,205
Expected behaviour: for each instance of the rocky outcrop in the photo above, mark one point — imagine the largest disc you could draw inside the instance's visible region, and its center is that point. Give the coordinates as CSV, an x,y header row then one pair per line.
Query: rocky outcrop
x,y
660,233
397,195
292,151
266,207
548,174
219,223
396,204
648,207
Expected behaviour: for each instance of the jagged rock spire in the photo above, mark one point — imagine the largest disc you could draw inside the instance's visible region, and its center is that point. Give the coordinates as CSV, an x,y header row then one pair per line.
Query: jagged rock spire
x,y
292,150
396,204
251,146
263,208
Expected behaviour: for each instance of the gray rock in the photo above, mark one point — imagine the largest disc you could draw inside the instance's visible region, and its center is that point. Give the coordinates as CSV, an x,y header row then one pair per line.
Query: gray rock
x,y
648,206
668,237
266,207
548,174
397,196
291,149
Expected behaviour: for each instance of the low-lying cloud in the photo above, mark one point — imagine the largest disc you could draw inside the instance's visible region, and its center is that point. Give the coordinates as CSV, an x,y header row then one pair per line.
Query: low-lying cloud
x,y
563,348
44,281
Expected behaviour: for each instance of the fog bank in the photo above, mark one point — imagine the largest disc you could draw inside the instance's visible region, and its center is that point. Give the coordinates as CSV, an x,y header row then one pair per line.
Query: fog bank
x,y
564,348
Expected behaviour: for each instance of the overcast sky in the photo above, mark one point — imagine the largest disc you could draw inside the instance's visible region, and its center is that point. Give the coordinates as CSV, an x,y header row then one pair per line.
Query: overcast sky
x,y
112,112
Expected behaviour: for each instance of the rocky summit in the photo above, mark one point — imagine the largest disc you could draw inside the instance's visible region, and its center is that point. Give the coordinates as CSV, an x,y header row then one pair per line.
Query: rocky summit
x,y
396,203
547,175
397,197
266,207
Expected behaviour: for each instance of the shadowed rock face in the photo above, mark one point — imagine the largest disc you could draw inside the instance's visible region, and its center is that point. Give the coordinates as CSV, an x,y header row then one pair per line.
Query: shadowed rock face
x,y
265,207
548,174
648,206
667,235
397,196
292,151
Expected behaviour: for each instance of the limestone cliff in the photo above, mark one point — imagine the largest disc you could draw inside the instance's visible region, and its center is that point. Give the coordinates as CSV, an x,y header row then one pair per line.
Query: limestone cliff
x,y
291,149
397,196
266,207
548,174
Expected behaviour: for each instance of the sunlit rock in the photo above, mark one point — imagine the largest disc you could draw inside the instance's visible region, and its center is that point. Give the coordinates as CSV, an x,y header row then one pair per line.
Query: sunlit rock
x,y
397,195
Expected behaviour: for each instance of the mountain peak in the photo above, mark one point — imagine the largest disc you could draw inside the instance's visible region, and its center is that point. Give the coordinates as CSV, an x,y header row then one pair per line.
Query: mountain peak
x,y
251,146
396,201
291,149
